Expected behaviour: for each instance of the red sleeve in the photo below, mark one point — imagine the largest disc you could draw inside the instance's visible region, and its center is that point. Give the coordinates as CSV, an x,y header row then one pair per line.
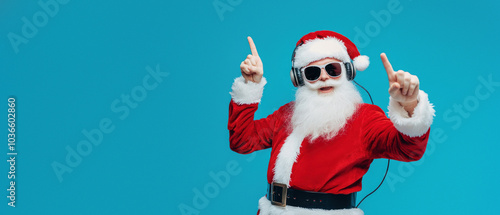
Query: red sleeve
x,y
385,141
247,135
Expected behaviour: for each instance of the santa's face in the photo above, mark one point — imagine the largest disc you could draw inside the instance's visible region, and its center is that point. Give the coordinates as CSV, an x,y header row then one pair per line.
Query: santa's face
x,y
321,84
322,107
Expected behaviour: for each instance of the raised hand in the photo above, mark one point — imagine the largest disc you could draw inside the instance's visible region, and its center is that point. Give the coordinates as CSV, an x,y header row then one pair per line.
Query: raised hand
x,y
403,86
252,68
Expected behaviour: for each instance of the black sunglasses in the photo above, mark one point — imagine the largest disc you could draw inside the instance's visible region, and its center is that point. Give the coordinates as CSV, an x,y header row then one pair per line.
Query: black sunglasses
x,y
312,73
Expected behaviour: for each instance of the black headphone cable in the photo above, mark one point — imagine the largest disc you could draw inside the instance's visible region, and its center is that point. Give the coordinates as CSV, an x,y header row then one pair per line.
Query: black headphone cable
x,y
388,160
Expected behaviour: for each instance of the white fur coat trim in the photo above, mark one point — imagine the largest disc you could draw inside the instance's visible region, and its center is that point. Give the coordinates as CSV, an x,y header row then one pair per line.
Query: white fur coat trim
x,y
266,208
247,93
287,157
416,125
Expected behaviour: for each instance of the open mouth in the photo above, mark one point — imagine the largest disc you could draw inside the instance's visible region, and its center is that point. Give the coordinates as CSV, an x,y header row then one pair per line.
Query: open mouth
x,y
325,89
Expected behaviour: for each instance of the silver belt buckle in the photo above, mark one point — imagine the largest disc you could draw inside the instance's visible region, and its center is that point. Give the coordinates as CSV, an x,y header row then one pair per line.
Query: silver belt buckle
x,y
283,194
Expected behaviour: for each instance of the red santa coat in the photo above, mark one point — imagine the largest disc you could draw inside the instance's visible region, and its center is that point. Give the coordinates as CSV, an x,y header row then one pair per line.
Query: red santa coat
x,y
329,166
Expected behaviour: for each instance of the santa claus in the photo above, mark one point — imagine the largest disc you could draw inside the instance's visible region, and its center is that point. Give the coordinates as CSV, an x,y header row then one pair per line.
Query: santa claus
x,y
324,142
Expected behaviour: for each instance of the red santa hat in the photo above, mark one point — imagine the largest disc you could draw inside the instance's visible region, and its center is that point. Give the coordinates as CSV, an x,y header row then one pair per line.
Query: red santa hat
x,y
322,44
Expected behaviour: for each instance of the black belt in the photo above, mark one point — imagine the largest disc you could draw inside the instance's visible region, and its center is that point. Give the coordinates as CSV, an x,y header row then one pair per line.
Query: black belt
x,y
306,199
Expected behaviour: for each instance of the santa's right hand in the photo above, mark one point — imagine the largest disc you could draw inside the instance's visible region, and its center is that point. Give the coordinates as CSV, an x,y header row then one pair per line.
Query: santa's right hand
x,y
252,68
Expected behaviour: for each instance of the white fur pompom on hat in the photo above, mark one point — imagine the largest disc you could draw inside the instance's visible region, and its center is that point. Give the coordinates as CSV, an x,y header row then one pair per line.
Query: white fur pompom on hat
x,y
322,44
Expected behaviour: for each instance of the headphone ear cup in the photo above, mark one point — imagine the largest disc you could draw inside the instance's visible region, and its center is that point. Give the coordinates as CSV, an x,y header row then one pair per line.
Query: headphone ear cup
x,y
298,76
295,72
350,71
292,76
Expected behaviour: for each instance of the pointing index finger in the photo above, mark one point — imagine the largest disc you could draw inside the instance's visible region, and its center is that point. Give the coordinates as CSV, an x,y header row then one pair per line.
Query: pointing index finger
x,y
252,47
387,66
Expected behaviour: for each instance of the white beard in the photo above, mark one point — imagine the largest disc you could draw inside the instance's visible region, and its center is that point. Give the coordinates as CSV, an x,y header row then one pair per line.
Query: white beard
x,y
324,115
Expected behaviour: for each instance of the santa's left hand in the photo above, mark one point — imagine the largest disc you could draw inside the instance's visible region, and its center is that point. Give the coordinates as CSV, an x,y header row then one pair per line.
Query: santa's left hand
x,y
403,86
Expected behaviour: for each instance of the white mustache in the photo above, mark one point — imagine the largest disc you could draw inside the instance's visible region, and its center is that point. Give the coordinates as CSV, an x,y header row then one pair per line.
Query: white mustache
x,y
328,83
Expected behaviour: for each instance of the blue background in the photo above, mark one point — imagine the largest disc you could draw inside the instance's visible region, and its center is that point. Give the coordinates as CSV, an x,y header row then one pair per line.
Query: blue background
x,y
90,53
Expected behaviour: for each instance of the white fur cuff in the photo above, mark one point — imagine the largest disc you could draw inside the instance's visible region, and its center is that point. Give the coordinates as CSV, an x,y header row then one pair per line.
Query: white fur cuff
x,y
247,93
266,208
416,125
